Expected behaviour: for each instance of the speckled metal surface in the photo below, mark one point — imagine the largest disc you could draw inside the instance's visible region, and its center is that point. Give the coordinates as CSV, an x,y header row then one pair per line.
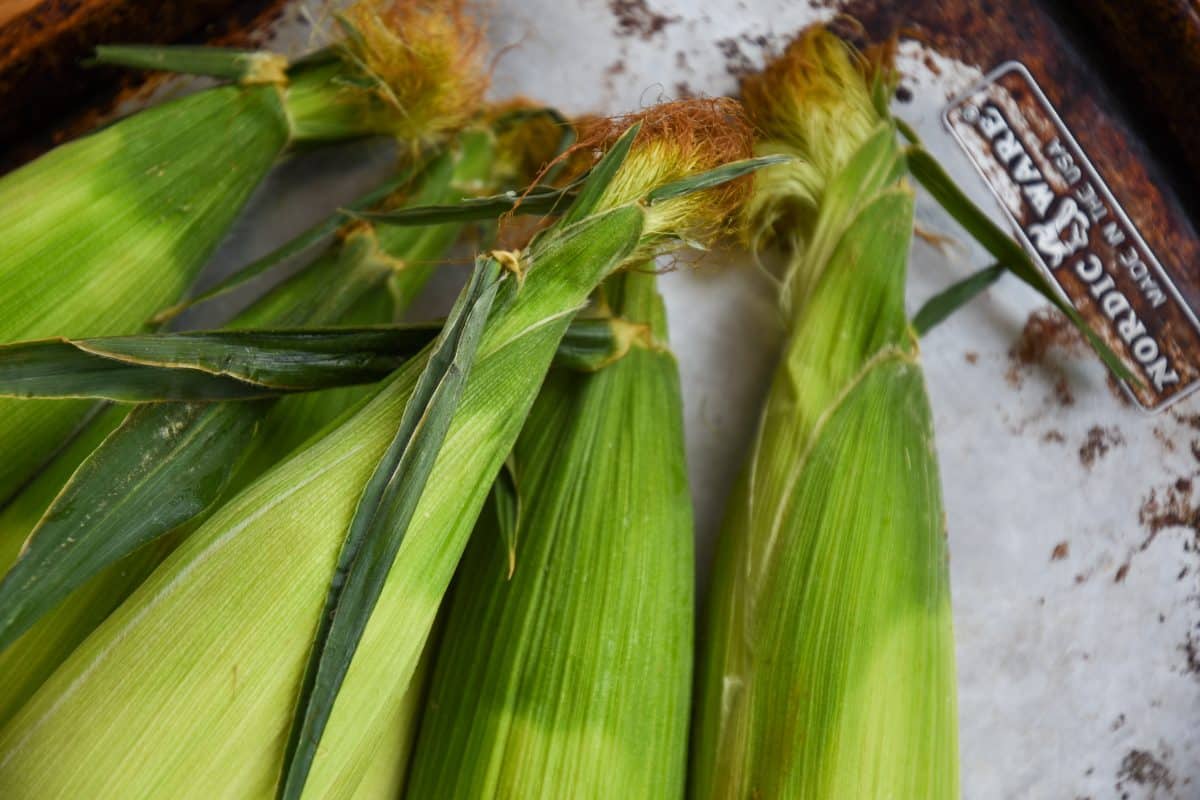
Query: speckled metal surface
x,y
1073,518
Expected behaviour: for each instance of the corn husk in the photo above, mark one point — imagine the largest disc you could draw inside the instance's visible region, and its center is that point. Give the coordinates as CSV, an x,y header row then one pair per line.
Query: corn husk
x,y
188,689
98,234
570,677
828,669
362,278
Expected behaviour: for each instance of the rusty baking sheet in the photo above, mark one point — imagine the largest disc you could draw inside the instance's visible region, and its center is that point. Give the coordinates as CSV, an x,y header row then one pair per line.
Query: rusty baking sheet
x,y
1066,216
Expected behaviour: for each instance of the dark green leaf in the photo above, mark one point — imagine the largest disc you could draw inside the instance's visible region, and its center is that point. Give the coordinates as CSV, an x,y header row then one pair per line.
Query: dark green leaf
x,y
381,521
711,178
907,131
215,62
213,365
244,365
142,482
1003,248
944,303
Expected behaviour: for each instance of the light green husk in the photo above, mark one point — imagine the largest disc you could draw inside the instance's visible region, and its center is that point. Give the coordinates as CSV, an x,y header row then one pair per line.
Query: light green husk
x,y
572,678
366,276
100,233
828,670
188,689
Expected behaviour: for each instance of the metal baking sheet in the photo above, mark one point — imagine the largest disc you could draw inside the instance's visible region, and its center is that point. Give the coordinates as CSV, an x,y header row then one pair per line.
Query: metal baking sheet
x,y
1073,520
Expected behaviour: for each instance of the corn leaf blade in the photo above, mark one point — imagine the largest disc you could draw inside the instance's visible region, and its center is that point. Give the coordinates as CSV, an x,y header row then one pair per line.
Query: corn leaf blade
x,y
214,62
381,521
713,177
936,309
265,264
926,169
86,531
211,365
231,365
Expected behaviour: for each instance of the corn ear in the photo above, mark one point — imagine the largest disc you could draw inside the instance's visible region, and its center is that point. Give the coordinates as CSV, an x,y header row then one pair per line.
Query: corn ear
x,y
347,284
571,678
188,689
828,669
100,233
97,234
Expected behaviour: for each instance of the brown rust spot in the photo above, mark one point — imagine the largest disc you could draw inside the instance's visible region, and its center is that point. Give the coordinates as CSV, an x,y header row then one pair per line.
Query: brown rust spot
x,y
1097,444
1143,768
1046,330
636,18
1060,551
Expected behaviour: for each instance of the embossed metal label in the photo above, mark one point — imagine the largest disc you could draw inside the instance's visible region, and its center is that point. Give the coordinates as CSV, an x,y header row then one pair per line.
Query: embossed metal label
x,y
1076,231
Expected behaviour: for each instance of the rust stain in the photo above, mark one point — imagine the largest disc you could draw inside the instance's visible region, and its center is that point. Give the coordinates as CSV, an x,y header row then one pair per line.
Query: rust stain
x,y
1097,444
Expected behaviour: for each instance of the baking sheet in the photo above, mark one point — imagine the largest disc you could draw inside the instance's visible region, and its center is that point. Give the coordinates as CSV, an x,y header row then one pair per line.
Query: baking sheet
x,y
1075,539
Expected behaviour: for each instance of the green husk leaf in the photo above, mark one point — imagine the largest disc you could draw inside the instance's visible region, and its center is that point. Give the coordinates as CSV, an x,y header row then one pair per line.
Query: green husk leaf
x,y
571,676
345,283
295,247
926,169
208,365
937,308
99,233
382,518
590,344
87,531
713,177
214,62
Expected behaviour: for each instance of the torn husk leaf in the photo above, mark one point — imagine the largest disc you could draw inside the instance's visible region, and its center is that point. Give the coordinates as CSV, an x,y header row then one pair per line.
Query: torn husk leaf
x,y
572,678
232,613
828,670
100,233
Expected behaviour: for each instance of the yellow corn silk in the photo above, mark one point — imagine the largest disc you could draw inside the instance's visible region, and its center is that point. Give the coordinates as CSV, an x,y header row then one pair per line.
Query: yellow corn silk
x,y
189,688
100,233
828,666
572,676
